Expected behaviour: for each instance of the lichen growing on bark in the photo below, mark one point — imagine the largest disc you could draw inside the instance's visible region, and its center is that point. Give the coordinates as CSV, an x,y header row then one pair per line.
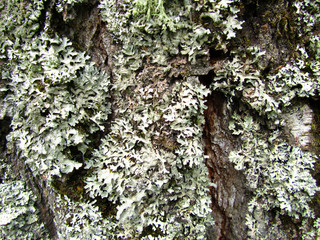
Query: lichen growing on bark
x,y
132,138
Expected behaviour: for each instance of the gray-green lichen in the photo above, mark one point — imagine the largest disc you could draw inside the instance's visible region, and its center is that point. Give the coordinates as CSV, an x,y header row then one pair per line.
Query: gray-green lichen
x,y
60,103
150,167
151,164
58,95
278,171
63,5
80,220
147,178
19,215
276,167
19,22
148,31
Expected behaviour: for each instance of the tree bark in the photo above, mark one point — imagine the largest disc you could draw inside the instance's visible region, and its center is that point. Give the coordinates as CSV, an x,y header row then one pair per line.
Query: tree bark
x,y
268,25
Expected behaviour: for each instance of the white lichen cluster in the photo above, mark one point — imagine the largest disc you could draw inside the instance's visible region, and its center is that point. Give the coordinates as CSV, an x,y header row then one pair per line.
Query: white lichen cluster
x,y
61,102
65,6
19,22
159,30
278,171
147,178
240,78
80,220
269,96
151,165
276,168
60,99
18,213
19,216
308,15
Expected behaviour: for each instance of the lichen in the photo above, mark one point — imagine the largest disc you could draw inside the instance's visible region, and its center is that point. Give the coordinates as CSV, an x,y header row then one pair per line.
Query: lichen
x,y
80,220
308,16
54,97
150,167
151,164
144,177
19,215
19,22
277,168
145,34
157,186
279,173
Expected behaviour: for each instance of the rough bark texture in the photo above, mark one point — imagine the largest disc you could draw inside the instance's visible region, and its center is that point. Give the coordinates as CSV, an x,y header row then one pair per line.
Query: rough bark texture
x,y
230,196
263,27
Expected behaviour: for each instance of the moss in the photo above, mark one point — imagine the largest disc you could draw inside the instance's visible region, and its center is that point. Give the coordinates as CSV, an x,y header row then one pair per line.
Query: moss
x,y
284,24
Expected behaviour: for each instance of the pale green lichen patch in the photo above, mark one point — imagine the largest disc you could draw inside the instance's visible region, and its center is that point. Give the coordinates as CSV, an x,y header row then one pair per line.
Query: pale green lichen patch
x,y
56,91
275,166
280,173
147,177
150,168
61,104
151,164
18,213
19,216
156,185
19,22
158,30
63,5
308,15
80,220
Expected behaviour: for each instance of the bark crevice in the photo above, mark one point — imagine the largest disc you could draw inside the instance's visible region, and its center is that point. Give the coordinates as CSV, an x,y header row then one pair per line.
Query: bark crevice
x,y
230,194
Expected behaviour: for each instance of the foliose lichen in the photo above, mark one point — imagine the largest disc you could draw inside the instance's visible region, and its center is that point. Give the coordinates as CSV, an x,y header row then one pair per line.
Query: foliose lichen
x,y
19,23
157,30
63,5
19,216
150,166
80,220
57,104
278,170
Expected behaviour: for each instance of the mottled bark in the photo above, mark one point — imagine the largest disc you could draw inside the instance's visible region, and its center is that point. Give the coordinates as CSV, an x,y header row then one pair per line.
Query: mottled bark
x,y
263,27
230,195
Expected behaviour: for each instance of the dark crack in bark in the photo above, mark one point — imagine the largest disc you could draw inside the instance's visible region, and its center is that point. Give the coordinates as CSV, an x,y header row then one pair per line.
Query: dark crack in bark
x,y
230,195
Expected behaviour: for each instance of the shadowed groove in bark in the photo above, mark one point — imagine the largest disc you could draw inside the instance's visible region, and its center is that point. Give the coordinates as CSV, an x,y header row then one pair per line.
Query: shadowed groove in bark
x,y
40,189
230,196
21,171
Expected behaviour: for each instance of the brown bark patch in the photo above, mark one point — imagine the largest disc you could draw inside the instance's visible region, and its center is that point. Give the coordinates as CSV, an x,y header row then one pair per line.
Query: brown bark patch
x,y
230,195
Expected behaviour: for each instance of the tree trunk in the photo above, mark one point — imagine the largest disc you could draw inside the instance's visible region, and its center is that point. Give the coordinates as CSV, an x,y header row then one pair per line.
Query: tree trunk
x,y
198,119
